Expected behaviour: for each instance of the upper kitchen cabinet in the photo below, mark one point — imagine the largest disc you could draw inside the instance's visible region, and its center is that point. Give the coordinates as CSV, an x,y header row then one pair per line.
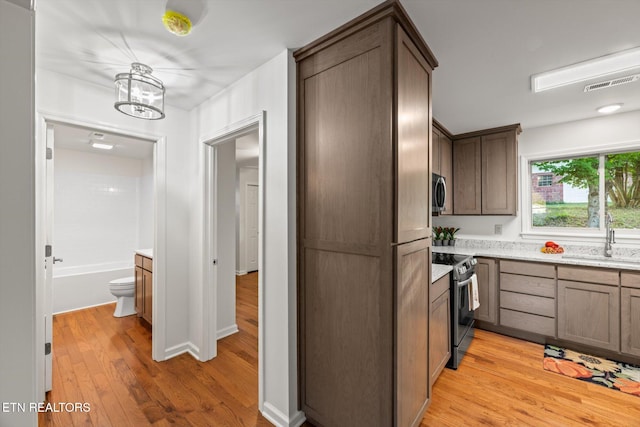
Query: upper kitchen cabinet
x,y
364,203
467,176
442,161
485,172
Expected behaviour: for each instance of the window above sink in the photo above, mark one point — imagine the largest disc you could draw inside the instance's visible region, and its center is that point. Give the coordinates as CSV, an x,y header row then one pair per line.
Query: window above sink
x,y
569,194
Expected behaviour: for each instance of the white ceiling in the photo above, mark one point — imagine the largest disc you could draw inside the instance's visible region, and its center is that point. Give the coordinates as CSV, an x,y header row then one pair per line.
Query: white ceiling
x,y
487,49
79,138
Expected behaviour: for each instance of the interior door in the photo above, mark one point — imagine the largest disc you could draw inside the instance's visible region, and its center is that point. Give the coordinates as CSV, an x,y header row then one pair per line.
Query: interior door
x,y
49,260
252,227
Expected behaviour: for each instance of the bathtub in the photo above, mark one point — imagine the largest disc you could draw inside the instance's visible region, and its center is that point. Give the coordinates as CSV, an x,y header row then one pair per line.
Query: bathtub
x,y
79,287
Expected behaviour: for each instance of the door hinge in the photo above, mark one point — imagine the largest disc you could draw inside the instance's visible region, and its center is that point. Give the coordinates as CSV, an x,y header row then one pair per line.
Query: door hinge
x,y
48,251
47,348
49,153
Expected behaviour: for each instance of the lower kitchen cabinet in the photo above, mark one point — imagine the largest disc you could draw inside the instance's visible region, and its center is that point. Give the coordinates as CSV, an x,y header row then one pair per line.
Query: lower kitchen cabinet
x,y
144,287
630,313
527,297
439,327
589,313
412,323
487,290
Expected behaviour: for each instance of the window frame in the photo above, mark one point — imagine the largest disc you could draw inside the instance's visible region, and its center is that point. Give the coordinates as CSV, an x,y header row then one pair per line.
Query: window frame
x,y
528,232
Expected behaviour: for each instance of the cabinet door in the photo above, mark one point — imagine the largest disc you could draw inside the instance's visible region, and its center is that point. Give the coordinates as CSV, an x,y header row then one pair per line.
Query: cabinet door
x,y
499,179
413,187
147,284
629,321
139,295
413,279
589,314
487,290
435,155
467,184
446,170
439,334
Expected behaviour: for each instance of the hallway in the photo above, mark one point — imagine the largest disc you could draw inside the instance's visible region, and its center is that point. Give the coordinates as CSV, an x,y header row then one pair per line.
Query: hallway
x,y
106,362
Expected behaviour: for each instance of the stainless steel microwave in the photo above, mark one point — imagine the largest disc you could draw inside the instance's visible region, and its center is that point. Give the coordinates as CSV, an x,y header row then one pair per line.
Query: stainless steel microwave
x,y
438,194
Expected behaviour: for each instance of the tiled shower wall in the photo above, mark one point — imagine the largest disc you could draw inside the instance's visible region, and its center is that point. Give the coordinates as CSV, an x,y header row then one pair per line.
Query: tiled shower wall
x,y
103,210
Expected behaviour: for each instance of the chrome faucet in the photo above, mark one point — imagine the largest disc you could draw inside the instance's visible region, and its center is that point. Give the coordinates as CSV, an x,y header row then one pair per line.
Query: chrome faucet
x,y
610,237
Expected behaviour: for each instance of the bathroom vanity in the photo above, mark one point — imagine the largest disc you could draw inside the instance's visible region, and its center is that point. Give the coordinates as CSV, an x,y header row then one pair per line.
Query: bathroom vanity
x,y
144,284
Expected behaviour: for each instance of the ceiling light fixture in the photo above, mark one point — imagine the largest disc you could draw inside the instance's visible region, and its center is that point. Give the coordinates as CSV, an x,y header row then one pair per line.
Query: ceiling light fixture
x,y
139,94
101,145
608,109
587,70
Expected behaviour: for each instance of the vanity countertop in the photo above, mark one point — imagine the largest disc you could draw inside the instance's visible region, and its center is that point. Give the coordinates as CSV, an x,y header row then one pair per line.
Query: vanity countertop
x,y
145,252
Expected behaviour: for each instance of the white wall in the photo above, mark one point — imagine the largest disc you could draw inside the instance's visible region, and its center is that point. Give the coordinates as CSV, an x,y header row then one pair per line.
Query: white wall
x,y
605,131
269,88
245,176
66,97
145,210
19,314
226,214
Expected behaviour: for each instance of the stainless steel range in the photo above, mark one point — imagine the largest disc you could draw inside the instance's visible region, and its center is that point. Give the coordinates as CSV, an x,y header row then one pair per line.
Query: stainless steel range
x,y
461,309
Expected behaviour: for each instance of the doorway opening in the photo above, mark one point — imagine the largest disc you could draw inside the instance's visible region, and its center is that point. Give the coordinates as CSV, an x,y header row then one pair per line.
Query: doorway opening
x,y
100,201
233,242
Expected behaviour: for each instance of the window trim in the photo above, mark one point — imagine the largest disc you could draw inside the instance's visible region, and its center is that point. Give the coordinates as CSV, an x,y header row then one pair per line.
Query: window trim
x,y
575,234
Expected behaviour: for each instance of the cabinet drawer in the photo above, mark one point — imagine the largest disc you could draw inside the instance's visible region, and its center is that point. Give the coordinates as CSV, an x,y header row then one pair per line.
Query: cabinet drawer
x,y
630,280
528,268
439,287
528,322
138,260
591,275
528,285
147,263
528,303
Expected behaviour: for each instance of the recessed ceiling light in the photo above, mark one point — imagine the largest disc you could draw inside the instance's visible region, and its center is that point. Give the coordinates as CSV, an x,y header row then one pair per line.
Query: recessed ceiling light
x,y
609,108
586,70
101,145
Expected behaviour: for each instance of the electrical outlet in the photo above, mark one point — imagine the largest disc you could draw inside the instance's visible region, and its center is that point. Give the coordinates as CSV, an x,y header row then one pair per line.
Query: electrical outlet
x,y
497,229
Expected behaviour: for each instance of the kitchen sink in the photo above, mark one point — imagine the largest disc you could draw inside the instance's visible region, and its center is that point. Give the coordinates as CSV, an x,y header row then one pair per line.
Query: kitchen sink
x,y
602,258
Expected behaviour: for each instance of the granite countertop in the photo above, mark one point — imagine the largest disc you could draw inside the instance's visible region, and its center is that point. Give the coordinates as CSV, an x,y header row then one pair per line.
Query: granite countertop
x,y
439,270
511,251
145,252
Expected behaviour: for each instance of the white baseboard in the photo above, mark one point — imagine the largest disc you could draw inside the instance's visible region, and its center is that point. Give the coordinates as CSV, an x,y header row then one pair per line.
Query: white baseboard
x,y
230,330
241,272
177,350
83,308
279,419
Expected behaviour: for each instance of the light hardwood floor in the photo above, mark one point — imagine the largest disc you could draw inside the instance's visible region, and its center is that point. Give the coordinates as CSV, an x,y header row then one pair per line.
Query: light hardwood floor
x,y
107,362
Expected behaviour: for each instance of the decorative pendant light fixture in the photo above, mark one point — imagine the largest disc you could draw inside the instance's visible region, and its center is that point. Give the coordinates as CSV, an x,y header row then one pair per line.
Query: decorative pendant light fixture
x,y
139,94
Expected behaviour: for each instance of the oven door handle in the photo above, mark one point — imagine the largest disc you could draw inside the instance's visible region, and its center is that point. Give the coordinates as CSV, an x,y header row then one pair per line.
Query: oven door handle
x,y
466,282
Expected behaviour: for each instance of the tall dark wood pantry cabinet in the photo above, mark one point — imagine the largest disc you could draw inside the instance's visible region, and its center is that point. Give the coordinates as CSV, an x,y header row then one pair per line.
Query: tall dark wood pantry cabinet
x,y
364,228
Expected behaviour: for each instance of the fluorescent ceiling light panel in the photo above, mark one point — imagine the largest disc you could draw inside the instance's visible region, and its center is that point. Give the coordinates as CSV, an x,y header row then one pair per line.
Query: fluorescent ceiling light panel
x,y
102,146
587,70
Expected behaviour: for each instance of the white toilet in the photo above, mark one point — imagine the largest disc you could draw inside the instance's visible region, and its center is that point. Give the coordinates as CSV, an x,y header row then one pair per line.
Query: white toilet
x,y
124,290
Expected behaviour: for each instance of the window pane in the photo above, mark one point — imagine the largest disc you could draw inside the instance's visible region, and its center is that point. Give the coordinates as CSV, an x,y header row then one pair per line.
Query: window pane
x,y
622,177
564,193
